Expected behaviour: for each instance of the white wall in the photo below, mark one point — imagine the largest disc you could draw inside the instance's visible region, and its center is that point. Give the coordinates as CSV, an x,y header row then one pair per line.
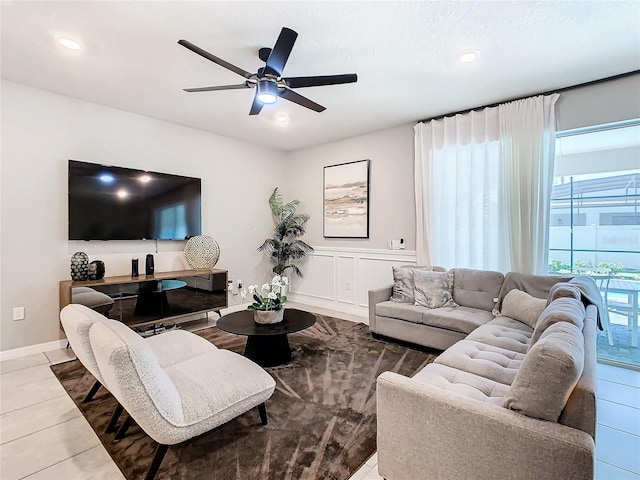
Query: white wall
x,y
601,103
392,203
42,130
341,271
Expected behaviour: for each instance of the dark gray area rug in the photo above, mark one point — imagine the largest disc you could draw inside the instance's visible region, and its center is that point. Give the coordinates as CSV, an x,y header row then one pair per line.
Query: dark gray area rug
x,y
322,416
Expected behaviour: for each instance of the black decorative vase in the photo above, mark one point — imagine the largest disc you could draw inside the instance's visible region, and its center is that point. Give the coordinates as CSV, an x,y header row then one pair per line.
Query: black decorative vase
x,y
96,270
134,267
79,266
149,269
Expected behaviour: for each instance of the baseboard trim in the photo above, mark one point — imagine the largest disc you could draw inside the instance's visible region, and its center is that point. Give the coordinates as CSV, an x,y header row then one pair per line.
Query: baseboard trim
x,y
328,304
32,349
62,343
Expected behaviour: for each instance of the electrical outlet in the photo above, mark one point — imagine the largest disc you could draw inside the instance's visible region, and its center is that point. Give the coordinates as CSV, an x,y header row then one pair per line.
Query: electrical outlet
x,y
348,286
18,313
239,283
230,286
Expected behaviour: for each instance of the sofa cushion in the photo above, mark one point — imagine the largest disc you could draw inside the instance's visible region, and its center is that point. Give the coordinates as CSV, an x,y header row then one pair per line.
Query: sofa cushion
x,y
433,289
458,319
494,363
548,374
564,309
523,307
510,323
463,383
504,332
402,311
476,288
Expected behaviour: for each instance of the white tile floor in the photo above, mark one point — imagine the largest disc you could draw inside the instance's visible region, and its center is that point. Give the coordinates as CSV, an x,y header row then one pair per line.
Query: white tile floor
x,y
43,436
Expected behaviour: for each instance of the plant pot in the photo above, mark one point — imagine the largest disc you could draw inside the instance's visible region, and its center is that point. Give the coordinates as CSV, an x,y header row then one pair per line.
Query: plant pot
x,y
268,316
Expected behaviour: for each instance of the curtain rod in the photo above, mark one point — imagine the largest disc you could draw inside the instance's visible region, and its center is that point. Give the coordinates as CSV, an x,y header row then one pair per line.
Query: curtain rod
x,y
557,90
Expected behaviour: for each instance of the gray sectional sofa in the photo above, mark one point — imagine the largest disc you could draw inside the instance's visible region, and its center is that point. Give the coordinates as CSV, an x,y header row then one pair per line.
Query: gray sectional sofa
x,y
505,400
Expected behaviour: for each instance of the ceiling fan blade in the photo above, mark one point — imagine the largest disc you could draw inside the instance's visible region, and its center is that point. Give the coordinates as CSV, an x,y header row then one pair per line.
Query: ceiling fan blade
x,y
219,87
280,53
300,82
256,106
214,59
300,100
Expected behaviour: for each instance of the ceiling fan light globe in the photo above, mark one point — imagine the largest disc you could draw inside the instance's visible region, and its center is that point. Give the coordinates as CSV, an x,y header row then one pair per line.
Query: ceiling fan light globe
x,y
267,98
267,91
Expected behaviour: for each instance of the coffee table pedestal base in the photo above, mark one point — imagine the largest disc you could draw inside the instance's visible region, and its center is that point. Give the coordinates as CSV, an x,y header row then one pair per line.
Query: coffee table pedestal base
x,y
268,351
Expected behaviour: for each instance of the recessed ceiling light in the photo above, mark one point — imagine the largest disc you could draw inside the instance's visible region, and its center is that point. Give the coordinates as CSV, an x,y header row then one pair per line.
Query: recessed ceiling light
x,y
122,193
106,178
70,44
282,118
145,178
467,56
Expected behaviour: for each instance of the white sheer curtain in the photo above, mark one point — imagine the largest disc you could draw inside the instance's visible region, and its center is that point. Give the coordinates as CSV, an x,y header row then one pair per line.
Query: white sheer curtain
x,y
527,142
468,206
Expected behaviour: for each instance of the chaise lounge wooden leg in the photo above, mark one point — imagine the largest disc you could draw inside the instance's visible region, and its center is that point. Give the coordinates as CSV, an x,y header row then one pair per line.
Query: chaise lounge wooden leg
x,y
161,451
114,419
92,392
122,431
262,409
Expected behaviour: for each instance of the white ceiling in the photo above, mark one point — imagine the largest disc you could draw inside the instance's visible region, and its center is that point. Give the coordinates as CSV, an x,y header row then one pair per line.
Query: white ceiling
x,y
403,52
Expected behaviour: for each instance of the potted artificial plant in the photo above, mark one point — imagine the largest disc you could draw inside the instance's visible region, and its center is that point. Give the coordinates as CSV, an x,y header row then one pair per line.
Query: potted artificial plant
x,y
285,247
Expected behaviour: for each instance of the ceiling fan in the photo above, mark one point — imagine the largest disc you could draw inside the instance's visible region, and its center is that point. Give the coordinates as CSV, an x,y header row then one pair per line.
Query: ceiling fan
x,y
268,81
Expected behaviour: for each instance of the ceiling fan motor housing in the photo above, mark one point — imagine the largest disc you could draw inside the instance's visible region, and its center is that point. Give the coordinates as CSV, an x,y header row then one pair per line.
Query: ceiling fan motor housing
x,y
267,91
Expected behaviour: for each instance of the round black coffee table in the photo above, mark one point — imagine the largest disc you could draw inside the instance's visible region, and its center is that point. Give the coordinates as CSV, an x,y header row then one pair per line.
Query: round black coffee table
x,y
267,345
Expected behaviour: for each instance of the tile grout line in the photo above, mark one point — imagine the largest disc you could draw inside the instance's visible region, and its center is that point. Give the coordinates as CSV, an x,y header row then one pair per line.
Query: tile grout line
x,y
60,461
618,466
618,383
45,428
618,430
616,403
34,404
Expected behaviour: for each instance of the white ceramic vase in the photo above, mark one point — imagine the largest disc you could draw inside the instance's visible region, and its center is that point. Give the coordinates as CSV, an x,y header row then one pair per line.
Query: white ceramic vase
x,y
268,316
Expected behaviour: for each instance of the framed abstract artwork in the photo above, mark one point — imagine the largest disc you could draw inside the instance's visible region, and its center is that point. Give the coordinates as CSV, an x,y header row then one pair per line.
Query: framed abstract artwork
x,y
346,200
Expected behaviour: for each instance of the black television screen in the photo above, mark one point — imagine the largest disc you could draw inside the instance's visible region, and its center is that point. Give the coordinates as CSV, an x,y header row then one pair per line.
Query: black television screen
x,y
115,203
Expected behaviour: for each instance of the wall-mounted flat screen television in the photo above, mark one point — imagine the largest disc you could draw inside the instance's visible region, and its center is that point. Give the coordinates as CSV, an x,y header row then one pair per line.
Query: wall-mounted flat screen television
x,y
116,203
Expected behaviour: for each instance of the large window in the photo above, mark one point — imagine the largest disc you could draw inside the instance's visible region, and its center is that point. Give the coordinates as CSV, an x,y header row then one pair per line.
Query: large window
x,y
595,206
595,224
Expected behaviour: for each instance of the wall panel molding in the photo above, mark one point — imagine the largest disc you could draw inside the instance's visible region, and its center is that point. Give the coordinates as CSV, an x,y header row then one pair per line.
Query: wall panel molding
x,y
340,278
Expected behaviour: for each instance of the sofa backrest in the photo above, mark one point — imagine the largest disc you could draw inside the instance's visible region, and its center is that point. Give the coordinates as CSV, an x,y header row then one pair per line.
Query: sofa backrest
x,y
77,320
476,288
580,410
133,374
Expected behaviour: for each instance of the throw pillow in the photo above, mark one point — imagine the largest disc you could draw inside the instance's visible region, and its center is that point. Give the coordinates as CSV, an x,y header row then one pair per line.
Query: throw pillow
x,y
564,309
523,307
433,289
548,374
403,285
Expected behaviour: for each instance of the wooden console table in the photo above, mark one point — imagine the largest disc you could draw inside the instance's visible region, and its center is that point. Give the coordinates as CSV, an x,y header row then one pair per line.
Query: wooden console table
x,y
189,291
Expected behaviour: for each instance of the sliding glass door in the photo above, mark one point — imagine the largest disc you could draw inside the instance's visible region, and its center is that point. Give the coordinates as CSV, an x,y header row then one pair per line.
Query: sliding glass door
x,y
595,225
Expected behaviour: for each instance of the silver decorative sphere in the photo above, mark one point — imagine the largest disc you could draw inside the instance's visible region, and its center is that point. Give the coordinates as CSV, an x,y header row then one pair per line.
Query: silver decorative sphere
x,y
201,252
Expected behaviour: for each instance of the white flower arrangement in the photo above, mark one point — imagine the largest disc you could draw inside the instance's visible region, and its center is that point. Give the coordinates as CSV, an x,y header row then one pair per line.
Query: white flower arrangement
x,y
269,297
